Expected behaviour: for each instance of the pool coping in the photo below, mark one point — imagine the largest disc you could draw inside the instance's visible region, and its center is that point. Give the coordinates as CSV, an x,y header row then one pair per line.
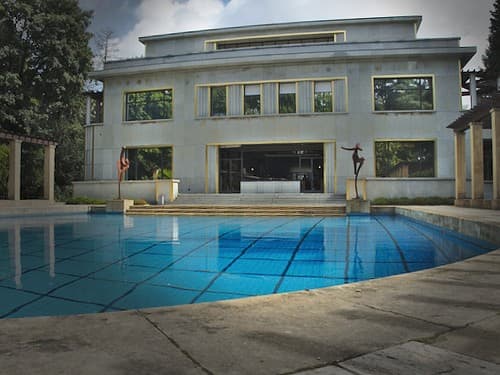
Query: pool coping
x,y
453,309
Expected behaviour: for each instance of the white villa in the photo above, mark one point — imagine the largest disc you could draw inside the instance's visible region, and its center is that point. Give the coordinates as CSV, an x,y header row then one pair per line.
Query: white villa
x,y
267,108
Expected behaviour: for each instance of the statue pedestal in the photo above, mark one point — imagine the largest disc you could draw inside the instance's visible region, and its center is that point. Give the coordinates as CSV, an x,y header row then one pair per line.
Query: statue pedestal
x,y
350,188
118,206
357,206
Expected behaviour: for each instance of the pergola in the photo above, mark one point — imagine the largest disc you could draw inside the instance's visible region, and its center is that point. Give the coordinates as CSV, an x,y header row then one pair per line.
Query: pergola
x,y
485,115
15,142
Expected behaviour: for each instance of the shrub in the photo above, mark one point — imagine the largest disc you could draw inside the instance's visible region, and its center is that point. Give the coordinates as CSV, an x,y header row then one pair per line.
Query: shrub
x,y
85,200
418,201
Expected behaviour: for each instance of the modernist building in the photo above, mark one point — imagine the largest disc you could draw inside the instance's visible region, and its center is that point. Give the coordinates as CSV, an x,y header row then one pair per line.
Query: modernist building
x,y
268,107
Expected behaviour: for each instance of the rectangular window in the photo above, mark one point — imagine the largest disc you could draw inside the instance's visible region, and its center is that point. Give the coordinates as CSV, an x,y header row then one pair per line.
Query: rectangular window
x,y
323,96
149,105
252,100
96,108
218,101
149,163
403,94
404,159
287,98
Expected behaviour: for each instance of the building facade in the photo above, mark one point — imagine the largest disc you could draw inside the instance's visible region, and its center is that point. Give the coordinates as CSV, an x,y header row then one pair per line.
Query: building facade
x,y
267,109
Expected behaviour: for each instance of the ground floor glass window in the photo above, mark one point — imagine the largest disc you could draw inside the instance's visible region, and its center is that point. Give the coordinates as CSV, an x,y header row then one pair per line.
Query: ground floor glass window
x,y
149,163
405,159
273,162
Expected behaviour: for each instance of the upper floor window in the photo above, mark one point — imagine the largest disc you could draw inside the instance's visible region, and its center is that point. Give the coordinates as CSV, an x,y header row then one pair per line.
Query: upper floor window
x,y
148,105
287,98
96,107
323,96
251,102
403,94
218,101
295,39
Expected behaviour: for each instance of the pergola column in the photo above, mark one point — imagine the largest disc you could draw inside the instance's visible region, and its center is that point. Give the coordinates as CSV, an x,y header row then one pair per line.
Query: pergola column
x,y
14,188
460,187
48,172
495,145
477,163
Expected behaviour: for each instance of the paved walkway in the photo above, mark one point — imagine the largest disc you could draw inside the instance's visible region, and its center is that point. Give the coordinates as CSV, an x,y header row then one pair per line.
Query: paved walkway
x,y
442,320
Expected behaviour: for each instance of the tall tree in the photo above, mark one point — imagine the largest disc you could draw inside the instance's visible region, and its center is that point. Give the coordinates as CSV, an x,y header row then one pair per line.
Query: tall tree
x,y
491,58
44,61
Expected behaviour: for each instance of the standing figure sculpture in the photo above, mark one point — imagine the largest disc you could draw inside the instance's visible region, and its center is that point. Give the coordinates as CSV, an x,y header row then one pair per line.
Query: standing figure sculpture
x,y
122,165
357,162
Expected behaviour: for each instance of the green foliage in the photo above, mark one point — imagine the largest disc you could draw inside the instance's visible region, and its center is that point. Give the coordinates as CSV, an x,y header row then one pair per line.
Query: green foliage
x,y
403,94
44,60
150,163
491,58
417,157
323,102
85,200
287,103
149,105
218,101
418,201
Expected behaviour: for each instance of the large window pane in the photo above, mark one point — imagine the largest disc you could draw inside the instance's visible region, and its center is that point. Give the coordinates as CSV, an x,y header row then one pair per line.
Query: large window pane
x,y
218,101
404,159
252,100
148,163
96,109
403,94
323,96
287,98
149,105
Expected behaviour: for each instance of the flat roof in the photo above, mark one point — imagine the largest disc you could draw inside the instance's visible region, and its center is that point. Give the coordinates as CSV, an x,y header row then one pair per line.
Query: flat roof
x,y
277,26
480,113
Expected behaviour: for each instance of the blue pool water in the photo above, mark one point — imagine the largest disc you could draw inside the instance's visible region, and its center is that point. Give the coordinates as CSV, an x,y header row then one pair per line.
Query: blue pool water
x,y
59,265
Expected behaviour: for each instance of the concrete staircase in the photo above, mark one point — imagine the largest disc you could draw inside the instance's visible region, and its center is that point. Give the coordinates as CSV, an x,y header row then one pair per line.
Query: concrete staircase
x,y
248,205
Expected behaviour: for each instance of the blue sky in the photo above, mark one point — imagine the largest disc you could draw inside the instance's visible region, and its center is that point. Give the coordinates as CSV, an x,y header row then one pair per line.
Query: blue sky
x,y
130,19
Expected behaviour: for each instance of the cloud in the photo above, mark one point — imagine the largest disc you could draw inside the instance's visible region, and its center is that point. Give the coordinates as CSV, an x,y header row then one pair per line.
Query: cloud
x,y
169,16
443,18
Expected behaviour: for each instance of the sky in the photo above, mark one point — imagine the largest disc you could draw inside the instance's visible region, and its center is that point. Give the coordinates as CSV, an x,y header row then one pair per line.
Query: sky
x,y
130,19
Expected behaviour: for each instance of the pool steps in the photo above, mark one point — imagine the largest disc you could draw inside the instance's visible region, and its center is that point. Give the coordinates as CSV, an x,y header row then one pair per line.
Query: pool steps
x,y
248,205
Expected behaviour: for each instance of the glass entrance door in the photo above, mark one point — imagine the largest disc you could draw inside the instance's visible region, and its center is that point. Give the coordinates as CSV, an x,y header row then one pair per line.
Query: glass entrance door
x,y
230,170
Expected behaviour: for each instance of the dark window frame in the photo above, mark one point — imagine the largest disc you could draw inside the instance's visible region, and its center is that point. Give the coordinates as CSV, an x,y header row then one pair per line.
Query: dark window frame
x,y
254,100
317,94
150,107
417,163
218,110
285,101
387,93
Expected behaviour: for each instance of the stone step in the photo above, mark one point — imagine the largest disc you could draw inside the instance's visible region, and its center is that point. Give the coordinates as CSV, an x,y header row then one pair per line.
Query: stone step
x,y
264,198
243,210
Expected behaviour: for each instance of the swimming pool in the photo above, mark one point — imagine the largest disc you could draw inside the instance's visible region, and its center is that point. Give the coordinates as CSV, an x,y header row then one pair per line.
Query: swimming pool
x,y
58,265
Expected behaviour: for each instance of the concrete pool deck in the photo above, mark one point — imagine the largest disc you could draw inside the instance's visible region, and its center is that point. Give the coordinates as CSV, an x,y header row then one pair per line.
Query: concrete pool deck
x,y
442,320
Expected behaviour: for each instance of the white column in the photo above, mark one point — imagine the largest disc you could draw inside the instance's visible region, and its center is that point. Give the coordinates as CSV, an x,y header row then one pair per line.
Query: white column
x,y
48,172
14,170
329,167
477,163
460,187
473,90
212,169
495,145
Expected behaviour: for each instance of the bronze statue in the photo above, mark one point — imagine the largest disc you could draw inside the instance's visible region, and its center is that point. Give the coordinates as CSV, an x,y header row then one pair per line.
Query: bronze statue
x,y
357,162
122,165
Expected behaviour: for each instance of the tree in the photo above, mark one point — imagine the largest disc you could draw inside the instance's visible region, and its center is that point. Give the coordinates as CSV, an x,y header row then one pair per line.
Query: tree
x,y
491,58
44,61
106,47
